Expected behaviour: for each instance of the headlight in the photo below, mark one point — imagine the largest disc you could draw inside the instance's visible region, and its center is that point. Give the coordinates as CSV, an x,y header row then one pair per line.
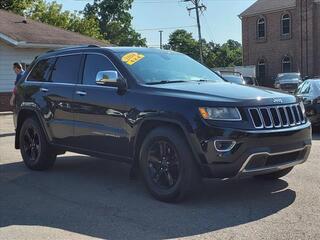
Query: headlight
x,y
220,113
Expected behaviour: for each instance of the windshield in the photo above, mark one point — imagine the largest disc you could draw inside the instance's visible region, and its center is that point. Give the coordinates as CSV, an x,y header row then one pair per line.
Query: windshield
x,y
289,76
166,67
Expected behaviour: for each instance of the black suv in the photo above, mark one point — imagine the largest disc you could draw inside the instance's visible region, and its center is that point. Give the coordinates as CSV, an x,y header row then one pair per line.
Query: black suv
x,y
170,117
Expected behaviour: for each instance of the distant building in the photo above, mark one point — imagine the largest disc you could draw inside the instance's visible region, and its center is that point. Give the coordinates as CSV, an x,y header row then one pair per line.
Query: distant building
x,y
22,40
282,36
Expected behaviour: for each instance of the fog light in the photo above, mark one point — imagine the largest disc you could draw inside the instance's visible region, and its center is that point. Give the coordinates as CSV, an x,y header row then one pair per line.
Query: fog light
x,y
224,145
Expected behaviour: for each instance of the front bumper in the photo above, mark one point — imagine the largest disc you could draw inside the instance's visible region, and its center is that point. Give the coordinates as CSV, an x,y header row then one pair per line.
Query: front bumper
x,y
256,152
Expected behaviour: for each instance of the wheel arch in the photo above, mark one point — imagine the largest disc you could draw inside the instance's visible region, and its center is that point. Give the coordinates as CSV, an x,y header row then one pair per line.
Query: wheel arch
x,y
149,124
24,114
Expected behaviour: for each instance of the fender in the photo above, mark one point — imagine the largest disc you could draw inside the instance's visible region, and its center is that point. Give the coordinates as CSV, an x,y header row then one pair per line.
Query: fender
x,y
34,108
185,128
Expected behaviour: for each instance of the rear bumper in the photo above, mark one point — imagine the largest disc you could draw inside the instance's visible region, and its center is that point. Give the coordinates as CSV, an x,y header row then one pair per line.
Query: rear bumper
x,y
255,152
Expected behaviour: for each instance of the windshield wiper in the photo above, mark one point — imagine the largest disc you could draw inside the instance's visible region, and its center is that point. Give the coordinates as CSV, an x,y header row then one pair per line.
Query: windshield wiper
x,y
164,82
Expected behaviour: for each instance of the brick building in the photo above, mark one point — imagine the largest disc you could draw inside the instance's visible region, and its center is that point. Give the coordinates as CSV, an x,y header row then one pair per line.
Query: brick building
x,y
21,40
282,36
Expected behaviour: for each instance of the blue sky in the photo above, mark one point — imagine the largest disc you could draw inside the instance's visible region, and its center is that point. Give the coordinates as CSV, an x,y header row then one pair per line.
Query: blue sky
x,y
219,23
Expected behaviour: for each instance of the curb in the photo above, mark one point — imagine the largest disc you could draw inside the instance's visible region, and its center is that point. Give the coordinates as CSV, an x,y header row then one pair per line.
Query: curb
x,y
5,113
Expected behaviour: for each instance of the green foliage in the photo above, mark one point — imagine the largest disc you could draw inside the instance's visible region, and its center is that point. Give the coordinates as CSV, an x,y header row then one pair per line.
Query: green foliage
x,y
115,21
215,55
52,14
17,6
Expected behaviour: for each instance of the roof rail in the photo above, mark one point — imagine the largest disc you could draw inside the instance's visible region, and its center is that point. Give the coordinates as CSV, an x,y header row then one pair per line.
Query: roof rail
x,y
74,47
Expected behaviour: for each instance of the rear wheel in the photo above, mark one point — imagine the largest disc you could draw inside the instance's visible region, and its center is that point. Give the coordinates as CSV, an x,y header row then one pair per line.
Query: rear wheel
x,y
35,151
167,164
276,175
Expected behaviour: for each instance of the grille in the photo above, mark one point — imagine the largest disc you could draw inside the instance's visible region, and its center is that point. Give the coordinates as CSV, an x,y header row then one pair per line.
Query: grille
x,y
277,116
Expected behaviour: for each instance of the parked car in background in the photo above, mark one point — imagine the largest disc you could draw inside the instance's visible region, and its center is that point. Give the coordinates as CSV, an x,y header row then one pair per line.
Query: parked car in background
x,y
233,77
288,82
251,81
309,92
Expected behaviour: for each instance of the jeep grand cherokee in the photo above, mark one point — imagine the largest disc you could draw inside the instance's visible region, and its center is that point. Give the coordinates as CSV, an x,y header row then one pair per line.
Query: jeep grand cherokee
x,y
170,117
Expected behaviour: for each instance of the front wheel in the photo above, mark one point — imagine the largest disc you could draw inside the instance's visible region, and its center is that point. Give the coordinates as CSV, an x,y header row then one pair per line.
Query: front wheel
x,y
167,164
35,150
276,175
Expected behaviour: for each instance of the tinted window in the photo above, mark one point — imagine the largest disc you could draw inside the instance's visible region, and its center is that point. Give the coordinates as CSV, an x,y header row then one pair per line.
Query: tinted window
x,y
40,73
66,69
95,64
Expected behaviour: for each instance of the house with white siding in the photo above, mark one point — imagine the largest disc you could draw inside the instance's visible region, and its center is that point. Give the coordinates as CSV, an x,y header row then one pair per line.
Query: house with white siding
x,y
21,40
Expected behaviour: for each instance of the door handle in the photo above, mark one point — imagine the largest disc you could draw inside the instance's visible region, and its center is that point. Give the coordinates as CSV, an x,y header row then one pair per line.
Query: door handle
x,y
81,93
44,89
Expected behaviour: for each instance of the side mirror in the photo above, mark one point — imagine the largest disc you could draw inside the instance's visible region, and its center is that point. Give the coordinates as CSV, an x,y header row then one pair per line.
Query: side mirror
x,y
112,79
107,78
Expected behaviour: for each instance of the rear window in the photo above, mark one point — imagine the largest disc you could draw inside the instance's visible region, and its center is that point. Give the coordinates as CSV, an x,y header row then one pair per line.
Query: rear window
x,y
66,69
41,72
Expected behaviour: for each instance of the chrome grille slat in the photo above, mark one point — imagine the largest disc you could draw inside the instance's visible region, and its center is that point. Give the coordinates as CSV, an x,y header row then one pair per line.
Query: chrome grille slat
x,y
276,116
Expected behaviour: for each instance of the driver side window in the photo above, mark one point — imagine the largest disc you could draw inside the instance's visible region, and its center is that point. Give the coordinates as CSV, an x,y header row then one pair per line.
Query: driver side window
x,y
95,63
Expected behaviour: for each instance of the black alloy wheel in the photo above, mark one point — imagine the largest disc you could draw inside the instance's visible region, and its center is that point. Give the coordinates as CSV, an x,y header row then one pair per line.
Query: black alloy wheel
x,y
164,164
37,154
167,164
31,143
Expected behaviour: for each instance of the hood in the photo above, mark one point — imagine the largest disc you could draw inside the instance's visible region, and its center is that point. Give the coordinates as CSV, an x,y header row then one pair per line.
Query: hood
x,y
224,92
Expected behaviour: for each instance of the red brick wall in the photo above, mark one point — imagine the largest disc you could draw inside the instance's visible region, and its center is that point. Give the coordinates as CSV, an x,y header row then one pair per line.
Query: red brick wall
x,y
302,47
4,102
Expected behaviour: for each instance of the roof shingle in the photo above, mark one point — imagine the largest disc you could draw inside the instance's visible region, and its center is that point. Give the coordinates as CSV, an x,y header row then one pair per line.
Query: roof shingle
x,y
263,6
33,32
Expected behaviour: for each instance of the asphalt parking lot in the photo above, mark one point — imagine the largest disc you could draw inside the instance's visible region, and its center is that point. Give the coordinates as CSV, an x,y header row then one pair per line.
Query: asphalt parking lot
x,y
87,198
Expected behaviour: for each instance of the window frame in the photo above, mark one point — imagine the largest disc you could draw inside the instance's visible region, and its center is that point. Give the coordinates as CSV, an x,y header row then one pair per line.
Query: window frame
x,y
259,63
258,23
283,35
286,62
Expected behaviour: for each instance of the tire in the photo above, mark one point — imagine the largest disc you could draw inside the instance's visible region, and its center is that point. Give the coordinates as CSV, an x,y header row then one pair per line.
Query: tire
x,y
177,173
275,175
34,148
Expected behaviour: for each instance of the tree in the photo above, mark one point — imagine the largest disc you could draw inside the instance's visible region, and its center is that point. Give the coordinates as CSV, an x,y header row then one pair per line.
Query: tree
x,y
183,41
17,6
52,14
214,55
115,21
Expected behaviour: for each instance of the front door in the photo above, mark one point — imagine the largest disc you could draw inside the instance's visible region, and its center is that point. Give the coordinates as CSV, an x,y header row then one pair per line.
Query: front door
x,y
99,111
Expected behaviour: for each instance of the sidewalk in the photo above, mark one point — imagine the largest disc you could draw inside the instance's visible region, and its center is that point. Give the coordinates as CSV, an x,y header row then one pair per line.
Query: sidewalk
x,y
6,113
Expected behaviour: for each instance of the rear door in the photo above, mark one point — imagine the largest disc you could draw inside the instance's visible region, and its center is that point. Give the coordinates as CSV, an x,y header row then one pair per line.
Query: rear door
x,y
59,91
99,111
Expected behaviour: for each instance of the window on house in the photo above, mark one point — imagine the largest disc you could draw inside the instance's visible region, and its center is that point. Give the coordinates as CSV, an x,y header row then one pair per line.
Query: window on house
x,y
286,24
261,28
286,64
262,69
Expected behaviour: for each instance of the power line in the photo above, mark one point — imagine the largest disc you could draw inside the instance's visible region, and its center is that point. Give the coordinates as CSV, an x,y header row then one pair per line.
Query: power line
x,y
198,7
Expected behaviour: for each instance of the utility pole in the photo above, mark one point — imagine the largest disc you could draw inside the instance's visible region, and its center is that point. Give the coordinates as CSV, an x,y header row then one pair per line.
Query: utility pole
x,y
198,8
161,39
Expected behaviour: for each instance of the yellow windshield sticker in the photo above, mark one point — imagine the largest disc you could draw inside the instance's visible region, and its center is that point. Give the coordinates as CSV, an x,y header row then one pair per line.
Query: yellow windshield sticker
x,y
132,58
